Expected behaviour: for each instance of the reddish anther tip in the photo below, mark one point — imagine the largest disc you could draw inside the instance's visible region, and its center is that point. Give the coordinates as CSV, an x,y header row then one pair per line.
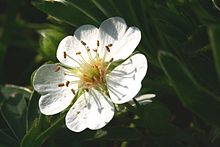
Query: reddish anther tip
x,y
83,43
67,83
97,42
64,55
78,53
107,48
61,85
57,68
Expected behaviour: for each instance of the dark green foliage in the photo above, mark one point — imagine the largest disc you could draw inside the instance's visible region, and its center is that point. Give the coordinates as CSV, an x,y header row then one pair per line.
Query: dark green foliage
x,y
181,39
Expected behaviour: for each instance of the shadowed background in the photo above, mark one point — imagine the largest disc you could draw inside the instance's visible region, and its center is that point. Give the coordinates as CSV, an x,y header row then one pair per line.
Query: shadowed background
x,y
181,40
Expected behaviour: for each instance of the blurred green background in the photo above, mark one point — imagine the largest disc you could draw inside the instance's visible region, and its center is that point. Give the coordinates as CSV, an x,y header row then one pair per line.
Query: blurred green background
x,y
181,40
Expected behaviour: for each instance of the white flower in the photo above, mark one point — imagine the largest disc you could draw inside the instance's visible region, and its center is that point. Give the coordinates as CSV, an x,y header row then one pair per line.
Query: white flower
x,y
87,66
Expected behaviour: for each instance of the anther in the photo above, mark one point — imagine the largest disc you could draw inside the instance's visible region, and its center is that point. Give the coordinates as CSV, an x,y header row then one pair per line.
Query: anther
x,y
78,53
64,55
73,91
110,45
83,43
61,85
107,48
57,68
67,83
87,90
88,50
95,50
97,42
111,60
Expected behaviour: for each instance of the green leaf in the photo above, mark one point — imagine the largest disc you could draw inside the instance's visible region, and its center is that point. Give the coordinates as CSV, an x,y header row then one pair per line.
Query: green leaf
x,y
41,130
175,17
201,11
33,109
34,131
9,91
6,140
202,103
214,35
117,134
172,31
154,114
106,7
13,108
201,66
49,41
2,52
73,12
121,134
197,41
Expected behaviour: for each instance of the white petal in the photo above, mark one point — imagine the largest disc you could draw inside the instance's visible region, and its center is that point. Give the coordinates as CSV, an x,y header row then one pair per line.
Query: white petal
x,y
111,30
72,45
54,99
143,99
124,47
69,46
87,34
92,110
124,82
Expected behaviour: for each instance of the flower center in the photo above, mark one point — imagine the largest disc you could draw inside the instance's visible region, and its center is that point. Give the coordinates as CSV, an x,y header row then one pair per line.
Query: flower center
x,y
92,73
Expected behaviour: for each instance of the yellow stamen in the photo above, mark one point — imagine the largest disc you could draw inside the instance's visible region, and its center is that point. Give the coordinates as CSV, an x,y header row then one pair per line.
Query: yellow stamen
x,y
78,53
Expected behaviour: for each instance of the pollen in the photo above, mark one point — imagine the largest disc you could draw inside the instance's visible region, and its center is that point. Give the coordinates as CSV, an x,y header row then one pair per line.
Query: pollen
x,y
92,70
